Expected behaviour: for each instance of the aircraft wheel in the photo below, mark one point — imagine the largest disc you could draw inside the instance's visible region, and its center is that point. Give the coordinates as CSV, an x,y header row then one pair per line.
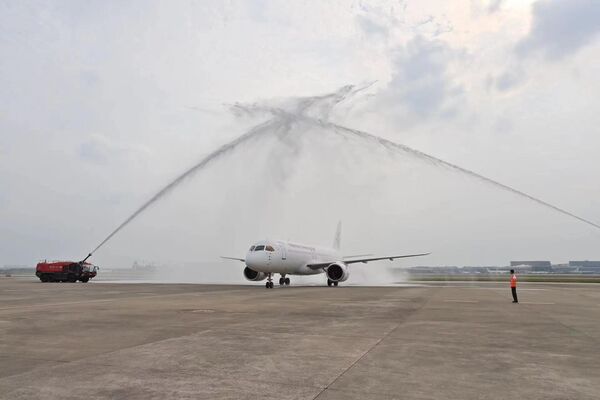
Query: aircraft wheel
x,y
287,281
281,281
335,283
329,282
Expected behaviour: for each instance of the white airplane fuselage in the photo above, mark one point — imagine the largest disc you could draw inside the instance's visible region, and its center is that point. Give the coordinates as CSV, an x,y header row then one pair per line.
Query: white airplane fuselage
x,y
268,257
281,257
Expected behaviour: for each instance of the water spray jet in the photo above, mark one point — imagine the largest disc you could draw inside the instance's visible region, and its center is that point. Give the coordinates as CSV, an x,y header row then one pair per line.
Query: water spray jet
x,y
281,124
255,132
439,162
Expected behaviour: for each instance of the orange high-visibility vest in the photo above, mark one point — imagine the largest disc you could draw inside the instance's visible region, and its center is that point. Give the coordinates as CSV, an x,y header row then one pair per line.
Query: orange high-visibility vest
x,y
513,281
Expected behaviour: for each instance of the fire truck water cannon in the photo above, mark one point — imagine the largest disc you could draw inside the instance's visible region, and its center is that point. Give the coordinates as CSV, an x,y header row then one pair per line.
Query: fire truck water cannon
x,y
66,271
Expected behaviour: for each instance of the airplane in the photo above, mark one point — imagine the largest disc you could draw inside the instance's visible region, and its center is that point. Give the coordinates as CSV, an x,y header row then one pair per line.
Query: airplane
x,y
266,258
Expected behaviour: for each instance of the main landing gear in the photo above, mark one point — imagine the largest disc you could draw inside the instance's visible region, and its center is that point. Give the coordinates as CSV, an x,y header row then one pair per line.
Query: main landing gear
x,y
330,282
284,281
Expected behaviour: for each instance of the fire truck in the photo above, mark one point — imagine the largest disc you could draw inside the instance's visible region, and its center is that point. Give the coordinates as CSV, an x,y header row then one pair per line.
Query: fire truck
x,y
65,271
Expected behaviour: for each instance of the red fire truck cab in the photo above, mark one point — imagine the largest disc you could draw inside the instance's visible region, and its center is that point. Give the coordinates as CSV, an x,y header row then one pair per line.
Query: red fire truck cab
x,y
65,271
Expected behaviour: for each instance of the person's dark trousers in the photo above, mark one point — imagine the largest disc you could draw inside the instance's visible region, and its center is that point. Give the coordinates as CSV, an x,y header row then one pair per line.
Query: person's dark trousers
x,y
514,293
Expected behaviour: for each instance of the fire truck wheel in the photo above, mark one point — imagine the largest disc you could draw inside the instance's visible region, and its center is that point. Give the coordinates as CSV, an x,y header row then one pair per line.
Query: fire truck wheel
x,y
84,280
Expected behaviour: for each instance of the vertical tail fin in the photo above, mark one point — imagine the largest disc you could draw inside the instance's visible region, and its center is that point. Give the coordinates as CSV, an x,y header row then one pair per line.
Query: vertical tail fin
x,y
337,241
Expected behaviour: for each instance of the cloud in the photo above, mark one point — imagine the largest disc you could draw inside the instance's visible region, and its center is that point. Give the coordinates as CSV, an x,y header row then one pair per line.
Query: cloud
x,y
560,28
421,81
94,151
102,150
494,5
119,96
510,79
371,27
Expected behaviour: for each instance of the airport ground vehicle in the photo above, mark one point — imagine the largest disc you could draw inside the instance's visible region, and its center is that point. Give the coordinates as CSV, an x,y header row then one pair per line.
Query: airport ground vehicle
x,y
65,271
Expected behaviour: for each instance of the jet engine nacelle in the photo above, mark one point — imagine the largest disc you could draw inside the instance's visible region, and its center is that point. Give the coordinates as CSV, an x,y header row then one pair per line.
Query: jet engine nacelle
x,y
337,272
253,275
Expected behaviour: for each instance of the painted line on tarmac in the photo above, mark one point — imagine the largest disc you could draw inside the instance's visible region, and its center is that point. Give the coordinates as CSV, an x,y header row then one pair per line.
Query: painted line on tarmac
x,y
461,301
527,302
55,304
113,299
521,289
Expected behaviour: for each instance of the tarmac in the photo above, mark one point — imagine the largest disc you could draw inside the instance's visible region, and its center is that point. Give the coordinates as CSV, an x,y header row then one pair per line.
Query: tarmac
x,y
184,341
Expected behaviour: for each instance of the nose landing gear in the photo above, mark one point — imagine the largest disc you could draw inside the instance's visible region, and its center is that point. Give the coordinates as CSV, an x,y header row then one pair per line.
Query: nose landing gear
x,y
269,284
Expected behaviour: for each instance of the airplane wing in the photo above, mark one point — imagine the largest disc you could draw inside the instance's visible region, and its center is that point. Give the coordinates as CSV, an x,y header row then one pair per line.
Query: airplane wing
x,y
319,265
234,258
391,258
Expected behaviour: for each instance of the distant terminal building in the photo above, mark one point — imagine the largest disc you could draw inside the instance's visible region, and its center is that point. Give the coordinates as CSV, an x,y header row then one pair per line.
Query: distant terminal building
x,y
536,266
592,264
586,266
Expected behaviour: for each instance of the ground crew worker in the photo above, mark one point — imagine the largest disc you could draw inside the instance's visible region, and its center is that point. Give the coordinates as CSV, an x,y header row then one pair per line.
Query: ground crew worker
x,y
513,285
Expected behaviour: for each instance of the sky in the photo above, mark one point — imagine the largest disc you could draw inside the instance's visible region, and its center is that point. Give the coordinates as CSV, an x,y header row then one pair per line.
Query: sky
x,y
102,103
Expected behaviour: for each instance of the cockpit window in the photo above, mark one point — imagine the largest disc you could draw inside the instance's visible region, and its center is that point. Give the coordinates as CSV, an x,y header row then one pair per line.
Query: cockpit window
x,y
252,248
269,248
259,248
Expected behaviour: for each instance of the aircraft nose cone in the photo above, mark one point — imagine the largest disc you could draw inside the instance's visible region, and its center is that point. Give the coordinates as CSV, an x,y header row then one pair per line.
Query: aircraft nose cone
x,y
250,260
258,260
